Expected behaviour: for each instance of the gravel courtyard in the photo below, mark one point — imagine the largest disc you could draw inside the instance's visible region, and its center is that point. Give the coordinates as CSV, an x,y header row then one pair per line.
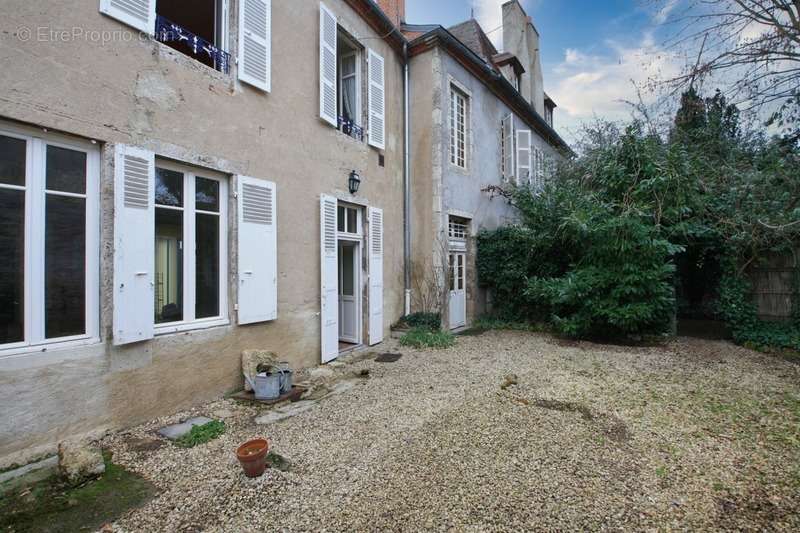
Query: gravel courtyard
x,y
690,435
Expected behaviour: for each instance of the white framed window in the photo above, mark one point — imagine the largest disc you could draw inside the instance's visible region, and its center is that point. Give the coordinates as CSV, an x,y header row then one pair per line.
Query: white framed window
x,y
348,220
458,127
191,243
349,85
49,235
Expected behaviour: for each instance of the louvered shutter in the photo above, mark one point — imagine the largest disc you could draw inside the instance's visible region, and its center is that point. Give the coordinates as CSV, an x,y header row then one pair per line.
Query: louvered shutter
x,y
327,66
140,14
258,250
134,248
377,101
255,43
375,216
329,267
507,127
538,168
524,170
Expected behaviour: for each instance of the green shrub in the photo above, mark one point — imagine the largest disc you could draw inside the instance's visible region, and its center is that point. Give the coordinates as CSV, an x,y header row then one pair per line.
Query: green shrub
x,y
201,434
422,320
622,286
427,338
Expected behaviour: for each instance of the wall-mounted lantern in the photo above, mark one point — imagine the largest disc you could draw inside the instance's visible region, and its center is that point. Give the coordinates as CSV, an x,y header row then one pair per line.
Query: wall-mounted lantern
x,y
353,182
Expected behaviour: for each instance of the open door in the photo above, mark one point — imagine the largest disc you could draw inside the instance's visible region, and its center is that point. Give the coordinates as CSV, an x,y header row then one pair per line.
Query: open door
x,y
329,267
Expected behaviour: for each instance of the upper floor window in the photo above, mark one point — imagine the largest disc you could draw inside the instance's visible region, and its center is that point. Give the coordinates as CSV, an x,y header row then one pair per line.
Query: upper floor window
x,y
195,28
49,236
340,85
458,127
548,115
199,28
349,85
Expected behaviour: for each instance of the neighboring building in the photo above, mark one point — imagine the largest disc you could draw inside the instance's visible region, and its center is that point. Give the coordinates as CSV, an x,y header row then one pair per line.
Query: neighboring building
x,y
166,205
479,118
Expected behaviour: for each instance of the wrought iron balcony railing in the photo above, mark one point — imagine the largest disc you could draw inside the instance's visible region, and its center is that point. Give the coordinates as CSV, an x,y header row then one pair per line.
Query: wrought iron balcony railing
x,y
169,32
349,127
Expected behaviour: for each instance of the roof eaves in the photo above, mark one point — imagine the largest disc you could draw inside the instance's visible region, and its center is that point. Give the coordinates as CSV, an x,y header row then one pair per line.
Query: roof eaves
x,y
493,78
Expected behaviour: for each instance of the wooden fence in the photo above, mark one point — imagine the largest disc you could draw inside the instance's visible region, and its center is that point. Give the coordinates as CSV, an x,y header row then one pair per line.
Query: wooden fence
x,y
774,287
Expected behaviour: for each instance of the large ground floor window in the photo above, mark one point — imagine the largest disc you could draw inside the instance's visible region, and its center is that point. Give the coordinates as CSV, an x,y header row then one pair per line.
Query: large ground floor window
x,y
49,238
190,245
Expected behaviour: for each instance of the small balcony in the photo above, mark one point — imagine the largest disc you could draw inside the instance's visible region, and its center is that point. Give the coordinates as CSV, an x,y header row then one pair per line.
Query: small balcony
x,y
181,39
349,127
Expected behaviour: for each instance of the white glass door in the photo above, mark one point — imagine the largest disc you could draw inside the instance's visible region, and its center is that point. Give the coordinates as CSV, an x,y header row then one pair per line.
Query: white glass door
x,y
458,293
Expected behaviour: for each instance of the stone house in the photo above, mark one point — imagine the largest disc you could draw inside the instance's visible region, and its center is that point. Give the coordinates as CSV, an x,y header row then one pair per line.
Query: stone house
x,y
479,118
182,180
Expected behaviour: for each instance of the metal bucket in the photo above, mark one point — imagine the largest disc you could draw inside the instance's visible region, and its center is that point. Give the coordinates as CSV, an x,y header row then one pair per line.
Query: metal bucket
x,y
286,377
267,385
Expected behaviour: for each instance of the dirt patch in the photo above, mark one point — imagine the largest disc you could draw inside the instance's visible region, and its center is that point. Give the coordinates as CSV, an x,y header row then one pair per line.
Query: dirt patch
x,y
754,506
611,426
567,407
144,445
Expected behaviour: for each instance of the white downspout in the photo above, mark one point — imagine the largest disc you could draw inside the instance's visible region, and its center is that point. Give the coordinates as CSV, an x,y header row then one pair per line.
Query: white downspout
x,y
406,188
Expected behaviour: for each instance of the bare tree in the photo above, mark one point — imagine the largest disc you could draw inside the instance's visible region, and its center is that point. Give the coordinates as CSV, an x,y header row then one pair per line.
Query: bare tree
x,y
751,46
430,280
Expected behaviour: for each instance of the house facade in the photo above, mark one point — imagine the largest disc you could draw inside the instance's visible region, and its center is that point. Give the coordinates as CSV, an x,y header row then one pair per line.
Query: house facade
x,y
181,181
480,119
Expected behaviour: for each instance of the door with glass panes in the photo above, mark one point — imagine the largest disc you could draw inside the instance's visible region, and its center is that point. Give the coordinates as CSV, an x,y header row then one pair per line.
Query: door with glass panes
x,y
458,293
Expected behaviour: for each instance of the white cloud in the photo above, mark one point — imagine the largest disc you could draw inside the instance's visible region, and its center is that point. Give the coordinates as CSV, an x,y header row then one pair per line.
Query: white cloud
x,y
661,16
587,85
489,14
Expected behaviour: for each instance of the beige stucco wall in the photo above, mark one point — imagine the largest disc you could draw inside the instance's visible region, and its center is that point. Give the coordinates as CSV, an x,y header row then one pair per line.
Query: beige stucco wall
x,y
143,93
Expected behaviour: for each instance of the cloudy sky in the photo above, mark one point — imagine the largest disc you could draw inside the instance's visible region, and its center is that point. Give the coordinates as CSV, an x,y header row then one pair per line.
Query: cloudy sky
x,y
593,51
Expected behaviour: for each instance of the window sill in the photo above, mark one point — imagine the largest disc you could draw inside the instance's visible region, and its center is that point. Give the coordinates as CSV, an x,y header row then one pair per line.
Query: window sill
x,y
180,327
461,170
189,62
33,349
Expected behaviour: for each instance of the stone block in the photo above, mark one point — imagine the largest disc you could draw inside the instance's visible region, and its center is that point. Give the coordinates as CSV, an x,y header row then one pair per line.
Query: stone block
x,y
80,460
252,358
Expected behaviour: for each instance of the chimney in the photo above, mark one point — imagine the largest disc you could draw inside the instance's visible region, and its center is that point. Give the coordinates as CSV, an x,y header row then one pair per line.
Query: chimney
x,y
521,39
395,10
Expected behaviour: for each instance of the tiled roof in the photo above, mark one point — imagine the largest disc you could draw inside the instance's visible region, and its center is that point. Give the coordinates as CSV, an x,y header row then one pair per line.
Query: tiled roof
x,y
471,34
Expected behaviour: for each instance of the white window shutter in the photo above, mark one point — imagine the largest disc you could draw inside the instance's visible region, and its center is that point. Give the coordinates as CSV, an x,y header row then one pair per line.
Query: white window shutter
x,y
327,66
524,169
377,101
255,43
375,244
508,147
329,283
134,249
140,14
258,250
538,168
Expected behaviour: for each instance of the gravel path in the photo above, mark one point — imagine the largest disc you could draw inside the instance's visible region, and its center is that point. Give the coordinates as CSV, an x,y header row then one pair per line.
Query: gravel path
x,y
691,435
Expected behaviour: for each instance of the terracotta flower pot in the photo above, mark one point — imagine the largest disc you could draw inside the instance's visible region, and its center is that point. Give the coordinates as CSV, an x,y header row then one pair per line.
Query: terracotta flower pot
x,y
252,456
